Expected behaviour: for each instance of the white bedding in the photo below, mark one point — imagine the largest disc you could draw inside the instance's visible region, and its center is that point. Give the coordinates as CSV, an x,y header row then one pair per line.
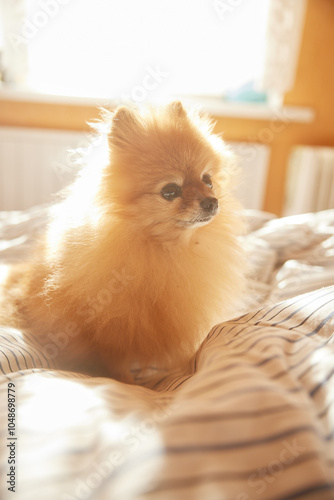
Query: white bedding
x,y
254,421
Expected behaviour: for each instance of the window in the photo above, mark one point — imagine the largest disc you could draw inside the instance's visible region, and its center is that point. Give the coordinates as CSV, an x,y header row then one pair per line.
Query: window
x,y
133,48
147,49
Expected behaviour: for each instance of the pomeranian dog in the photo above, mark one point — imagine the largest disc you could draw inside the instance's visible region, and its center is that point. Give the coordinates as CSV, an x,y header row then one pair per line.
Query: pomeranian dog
x,y
142,257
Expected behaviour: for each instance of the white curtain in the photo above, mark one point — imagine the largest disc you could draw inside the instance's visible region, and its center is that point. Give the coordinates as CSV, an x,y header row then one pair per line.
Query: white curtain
x,y
284,35
14,57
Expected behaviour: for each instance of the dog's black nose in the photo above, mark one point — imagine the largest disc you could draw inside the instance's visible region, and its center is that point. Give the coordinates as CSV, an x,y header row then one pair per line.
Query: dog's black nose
x,y
210,205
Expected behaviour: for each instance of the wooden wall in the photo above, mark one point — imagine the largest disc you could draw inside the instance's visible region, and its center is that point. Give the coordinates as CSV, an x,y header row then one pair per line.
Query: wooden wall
x,y
314,87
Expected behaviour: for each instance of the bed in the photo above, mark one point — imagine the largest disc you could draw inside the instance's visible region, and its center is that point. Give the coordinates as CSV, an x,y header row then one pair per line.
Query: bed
x,y
255,419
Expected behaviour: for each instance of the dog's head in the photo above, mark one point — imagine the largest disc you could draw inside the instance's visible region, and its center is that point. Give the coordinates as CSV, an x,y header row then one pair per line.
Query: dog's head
x,y
168,172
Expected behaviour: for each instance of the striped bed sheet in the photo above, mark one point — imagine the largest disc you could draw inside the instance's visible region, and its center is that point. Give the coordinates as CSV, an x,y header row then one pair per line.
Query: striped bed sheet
x,y
255,419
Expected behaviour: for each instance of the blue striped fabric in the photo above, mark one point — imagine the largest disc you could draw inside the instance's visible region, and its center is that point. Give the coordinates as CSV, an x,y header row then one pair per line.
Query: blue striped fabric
x,y
254,420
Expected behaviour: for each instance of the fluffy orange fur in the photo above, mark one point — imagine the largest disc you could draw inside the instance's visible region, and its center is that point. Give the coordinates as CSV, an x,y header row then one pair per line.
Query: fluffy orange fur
x,y
126,275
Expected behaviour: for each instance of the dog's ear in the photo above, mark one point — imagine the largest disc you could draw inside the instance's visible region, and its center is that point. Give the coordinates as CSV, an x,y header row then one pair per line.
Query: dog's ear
x,y
125,127
176,109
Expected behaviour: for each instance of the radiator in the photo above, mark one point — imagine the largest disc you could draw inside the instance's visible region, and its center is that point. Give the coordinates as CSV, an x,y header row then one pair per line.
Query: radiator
x,y
36,164
310,180
253,162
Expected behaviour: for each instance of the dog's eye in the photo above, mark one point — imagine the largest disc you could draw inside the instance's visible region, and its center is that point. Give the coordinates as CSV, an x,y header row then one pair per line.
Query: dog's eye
x,y
171,191
207,180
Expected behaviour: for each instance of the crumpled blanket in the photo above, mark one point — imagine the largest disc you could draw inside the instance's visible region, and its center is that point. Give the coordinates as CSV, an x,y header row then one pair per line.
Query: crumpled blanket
x,y
254,421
